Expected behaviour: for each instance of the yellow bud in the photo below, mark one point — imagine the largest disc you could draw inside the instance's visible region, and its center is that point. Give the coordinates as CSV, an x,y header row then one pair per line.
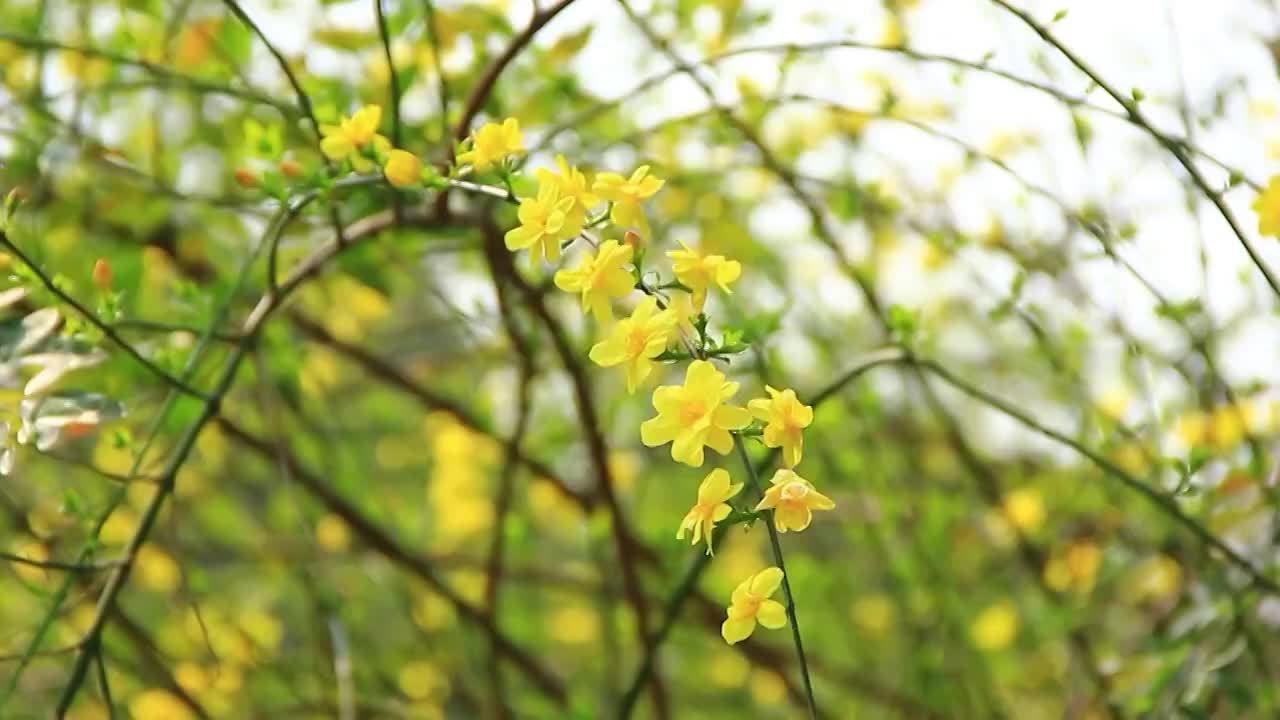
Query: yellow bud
x,y
633,239
403,168
102,274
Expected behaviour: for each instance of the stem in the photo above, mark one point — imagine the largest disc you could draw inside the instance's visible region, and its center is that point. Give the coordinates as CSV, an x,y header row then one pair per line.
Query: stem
x,y
786,582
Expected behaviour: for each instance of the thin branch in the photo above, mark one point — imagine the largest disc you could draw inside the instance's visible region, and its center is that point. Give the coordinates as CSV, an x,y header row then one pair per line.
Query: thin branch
x,y
484,86
1176,147
106,329
776,545
1162,501
57,565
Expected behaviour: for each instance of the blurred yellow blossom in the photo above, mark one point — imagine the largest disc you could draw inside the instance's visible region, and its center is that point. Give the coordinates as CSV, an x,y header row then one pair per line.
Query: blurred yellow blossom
x,y
751,604
492,143
1157,578
626,194
156,569
634,341
158,704
1267,206
1024,509
423,679
786,418
712,507
698,272
995,627
600,277
332,534
694,415
875,614
574,625
1074,569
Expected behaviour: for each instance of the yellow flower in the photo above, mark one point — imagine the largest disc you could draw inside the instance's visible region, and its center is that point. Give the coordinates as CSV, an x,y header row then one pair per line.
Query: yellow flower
x,y
350,138
626,194
1024,509
786,417
544,222
635,341
158,705
995,628
793,500
711,508
1267,205
492,143
694,415
403,169
600,277
572,184
750,604
697,272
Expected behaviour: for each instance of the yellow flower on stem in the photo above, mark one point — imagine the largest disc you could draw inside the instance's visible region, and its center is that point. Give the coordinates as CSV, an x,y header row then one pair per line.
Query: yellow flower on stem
x,y
572,184
793,500
626,193
633,342
750,604
353,136
711,508
403,169
545,220
786,418
492,143
600,277
1267,205
694,415
697,272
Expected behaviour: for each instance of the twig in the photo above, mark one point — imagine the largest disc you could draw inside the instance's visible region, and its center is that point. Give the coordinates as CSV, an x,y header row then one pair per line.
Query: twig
x,y
776,545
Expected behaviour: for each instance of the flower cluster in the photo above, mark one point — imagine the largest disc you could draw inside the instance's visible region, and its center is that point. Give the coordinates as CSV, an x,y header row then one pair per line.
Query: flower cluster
x,y
667,324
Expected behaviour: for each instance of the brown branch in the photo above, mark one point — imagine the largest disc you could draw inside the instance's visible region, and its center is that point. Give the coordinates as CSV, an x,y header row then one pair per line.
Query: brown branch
x,y
383,371
390,548
624,542
484,86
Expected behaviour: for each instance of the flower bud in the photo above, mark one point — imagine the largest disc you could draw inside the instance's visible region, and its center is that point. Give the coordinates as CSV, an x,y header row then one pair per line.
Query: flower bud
x,y
633,239
102,275
403,169
247,178
290,168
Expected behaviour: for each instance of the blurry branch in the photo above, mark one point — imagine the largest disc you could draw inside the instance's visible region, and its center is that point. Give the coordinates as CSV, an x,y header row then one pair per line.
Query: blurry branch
x,y
484,86
96,321
151,657
168,327
383,371
1176,147
1074,101
160,72
989,488
368,227
378,539
503,268
304,101
56,565
442,84
393,91
495,567
689,581
1163,502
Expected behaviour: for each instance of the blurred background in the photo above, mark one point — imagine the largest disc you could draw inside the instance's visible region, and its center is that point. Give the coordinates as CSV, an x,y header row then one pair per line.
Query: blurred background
x,y
1061,504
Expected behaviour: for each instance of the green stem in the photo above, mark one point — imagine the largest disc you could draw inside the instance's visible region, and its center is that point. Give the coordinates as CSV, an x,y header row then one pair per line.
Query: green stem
x,y
786,582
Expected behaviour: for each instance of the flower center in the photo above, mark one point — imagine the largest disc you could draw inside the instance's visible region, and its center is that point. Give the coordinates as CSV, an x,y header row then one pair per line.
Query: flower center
x,y
794,492
693,411
636,342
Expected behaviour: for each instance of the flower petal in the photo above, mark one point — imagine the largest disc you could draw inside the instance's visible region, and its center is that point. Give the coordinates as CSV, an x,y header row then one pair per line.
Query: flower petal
x,y
772,614
765,582
735,631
